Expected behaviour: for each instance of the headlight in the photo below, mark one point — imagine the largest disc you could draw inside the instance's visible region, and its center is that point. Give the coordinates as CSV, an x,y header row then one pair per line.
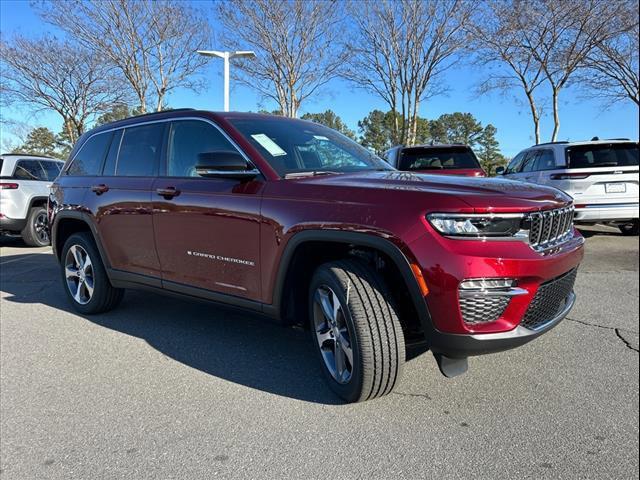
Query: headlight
x,y
479,225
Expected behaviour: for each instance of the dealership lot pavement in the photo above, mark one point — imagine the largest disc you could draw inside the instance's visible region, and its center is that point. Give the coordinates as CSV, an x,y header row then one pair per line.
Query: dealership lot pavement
x,y
164,388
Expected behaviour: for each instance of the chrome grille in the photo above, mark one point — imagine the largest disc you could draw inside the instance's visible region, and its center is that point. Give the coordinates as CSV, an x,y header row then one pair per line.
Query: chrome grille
x,y
549,300
550,228
482,308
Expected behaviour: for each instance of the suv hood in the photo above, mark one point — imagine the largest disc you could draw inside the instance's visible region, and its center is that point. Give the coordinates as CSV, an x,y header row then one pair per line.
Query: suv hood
x,y
482,194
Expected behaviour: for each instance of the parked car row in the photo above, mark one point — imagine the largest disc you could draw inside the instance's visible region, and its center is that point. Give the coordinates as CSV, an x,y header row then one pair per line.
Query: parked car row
x,y
600,175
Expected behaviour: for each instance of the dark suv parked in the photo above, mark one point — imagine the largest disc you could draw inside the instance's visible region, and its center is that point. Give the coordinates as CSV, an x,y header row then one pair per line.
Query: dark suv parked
x,y
293,220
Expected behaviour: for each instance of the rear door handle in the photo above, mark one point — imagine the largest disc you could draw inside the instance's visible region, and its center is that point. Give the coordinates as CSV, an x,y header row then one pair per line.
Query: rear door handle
x,y
99,189
168,192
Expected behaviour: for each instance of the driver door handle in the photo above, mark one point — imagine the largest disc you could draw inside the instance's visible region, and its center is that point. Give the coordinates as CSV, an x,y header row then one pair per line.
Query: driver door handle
x,y
99,189
168,192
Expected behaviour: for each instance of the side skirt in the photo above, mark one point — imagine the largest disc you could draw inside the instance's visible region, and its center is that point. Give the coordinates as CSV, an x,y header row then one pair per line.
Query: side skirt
x,y
122,279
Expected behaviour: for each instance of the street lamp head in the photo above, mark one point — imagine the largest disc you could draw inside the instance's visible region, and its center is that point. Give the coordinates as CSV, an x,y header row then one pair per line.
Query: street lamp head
x,y
212,53
243,53
217,53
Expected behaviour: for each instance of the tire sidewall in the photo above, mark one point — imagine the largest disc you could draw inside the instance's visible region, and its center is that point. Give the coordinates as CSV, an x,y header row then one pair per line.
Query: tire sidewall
x,y
351,390
33,239
99,274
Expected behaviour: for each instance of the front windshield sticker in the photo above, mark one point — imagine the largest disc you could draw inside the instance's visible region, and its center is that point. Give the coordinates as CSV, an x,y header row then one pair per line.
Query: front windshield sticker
x,y
269,145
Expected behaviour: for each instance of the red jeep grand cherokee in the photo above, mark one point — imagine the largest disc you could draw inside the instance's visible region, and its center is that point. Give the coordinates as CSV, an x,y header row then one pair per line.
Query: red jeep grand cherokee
x,y
291,219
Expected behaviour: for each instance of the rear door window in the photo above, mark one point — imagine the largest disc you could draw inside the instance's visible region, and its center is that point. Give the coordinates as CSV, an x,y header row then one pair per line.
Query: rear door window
x,y
29,170
88,161
109,168
529,161
140,151
545,161
603,155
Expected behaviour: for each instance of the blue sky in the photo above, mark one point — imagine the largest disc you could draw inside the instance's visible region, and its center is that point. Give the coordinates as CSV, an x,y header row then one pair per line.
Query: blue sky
x,y
580,118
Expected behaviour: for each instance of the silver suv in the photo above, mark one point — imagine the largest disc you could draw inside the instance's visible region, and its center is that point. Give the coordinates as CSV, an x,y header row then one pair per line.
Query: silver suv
x,y
600,175
24,190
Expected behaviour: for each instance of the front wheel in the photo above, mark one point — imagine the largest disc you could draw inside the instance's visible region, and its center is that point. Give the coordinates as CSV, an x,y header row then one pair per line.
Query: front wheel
x,y
630,229
356,330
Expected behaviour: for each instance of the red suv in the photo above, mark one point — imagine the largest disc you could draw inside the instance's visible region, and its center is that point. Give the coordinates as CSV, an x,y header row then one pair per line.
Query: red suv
x,y
293,220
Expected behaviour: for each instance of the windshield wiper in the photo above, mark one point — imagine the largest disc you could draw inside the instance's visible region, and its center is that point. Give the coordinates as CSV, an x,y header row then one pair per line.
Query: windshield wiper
x,y
312,173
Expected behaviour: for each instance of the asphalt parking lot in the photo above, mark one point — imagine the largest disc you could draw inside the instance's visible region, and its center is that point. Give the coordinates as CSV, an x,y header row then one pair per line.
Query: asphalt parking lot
x,y
164,388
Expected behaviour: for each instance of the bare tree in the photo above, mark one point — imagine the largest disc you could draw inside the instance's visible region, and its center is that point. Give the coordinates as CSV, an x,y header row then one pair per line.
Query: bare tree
x,y
570,30
50,74
152,43
612,72
498,38
401,49
295,45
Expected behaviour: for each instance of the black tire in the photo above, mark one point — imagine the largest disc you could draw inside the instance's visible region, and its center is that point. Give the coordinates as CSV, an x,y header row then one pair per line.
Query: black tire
x,y
36,231
104,297
630,229
375,333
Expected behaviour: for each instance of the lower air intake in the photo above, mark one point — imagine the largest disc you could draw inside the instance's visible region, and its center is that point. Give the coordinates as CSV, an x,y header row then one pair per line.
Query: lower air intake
x,y
550,299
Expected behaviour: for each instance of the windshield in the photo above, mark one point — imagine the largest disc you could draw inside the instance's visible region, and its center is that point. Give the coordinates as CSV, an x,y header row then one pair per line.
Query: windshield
x,y
438,159
295,146
603,155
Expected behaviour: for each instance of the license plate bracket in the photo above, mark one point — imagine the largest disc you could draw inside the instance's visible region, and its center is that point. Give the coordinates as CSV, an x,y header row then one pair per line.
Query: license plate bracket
x,y
615,187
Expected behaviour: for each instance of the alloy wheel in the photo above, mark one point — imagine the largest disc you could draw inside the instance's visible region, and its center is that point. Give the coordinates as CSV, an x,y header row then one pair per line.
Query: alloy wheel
x,y
78,271
40,227
332,334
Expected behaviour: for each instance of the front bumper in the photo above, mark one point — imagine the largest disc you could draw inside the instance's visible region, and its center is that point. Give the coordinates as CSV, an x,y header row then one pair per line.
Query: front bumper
x,y
445,263
606,212
460,346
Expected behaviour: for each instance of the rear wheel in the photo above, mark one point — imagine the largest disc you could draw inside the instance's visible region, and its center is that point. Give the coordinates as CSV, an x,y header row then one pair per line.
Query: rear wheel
x,y
356,331
36,231
630,229
85,279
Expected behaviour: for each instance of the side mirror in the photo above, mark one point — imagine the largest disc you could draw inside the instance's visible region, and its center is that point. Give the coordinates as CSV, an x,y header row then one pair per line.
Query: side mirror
x,y
224,164
499,170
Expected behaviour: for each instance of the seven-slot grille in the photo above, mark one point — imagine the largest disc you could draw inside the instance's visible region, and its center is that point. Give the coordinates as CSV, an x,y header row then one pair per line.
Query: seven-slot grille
x,y
550,228
550,299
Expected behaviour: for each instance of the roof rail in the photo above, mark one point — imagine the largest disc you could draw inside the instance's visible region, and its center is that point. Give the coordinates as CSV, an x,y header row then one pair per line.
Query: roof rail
x,y
552,143
624,139
148,114
28,155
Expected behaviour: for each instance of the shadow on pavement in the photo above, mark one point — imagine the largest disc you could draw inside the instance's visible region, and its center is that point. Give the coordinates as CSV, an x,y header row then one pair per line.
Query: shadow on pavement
x,y
12,241
589,231
235,346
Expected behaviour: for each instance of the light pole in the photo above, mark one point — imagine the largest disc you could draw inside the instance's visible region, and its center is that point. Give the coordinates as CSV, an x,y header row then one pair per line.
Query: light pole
x,y
226,56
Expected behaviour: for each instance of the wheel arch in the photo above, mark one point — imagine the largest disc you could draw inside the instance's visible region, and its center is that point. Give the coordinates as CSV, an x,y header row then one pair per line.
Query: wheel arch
x,y
327,245
38,201
66,223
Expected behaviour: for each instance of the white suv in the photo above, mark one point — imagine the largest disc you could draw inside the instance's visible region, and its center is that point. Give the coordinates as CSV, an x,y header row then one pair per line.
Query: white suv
x,y
24,192
600,175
